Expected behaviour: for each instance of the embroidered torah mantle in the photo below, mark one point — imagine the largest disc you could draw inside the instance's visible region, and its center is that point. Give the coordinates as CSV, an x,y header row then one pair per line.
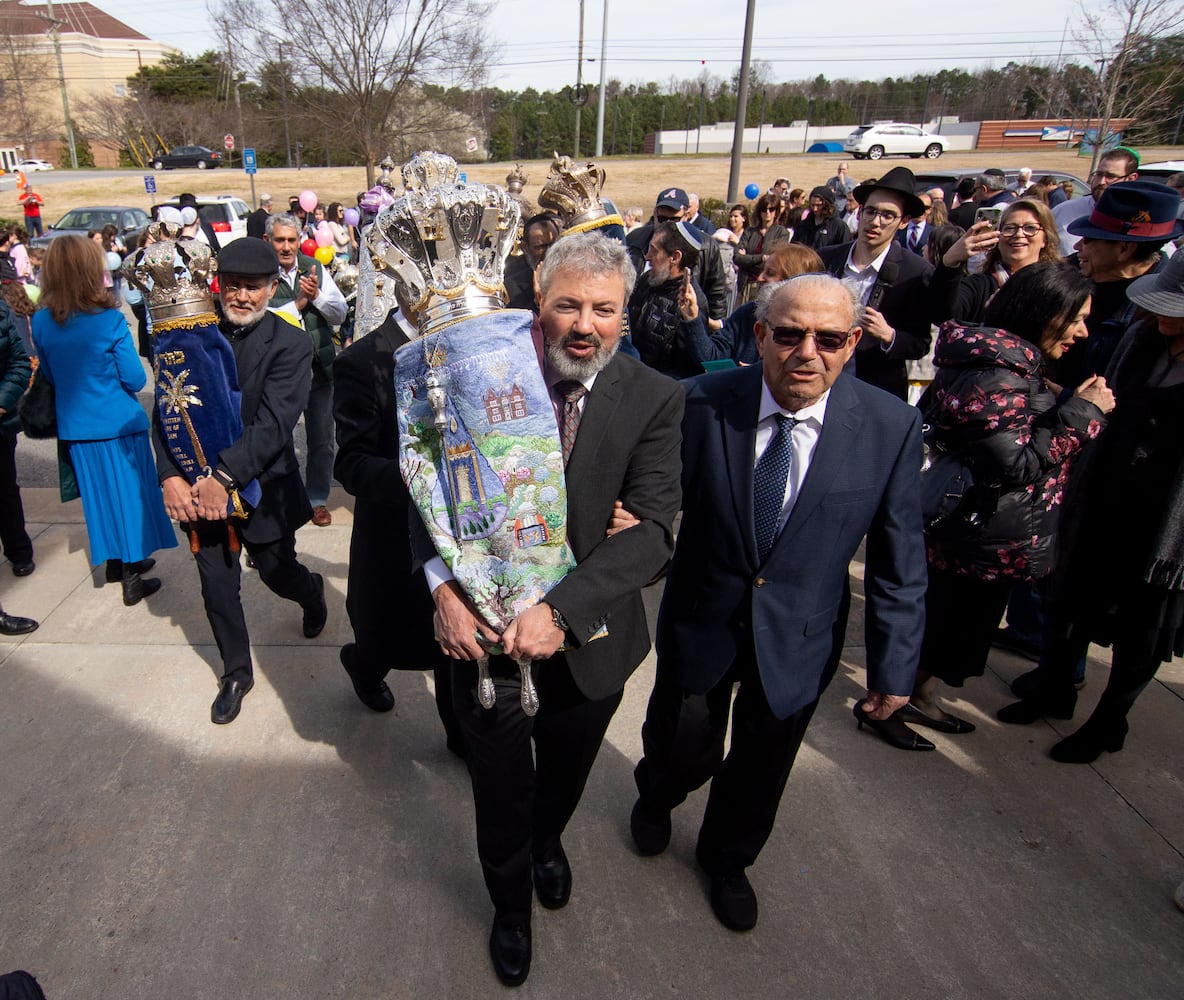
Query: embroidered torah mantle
x,y
480,454
198,399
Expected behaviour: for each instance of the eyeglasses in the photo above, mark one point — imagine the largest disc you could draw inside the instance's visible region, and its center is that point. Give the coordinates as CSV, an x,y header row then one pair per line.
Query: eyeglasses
x,y
1105,175
771,208
824,340
1029,229
887,216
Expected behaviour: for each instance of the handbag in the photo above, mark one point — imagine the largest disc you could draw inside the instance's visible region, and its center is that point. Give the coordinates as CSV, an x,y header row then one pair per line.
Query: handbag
x,y
37,409
953,501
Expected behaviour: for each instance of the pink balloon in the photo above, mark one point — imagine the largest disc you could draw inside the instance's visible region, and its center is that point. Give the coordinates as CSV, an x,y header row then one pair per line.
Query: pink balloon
x,y
308,200
323,234
351,217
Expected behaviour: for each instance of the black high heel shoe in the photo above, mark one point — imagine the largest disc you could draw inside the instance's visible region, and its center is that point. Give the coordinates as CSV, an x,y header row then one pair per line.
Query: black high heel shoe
x,y
1086,745
950,724
891,730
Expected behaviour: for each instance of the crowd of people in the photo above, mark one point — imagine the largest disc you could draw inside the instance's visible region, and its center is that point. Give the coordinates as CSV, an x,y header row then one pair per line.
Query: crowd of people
x,y
753,372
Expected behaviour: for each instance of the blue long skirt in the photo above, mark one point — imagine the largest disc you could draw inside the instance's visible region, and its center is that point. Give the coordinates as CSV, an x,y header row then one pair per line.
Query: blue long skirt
x,y
121,499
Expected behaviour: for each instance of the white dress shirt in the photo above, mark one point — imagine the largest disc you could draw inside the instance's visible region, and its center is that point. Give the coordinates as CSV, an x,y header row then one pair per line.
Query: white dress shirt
x,y
803,441
329,302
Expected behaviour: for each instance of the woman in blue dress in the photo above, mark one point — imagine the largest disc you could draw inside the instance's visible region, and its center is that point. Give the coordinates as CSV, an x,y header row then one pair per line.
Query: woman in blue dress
x,y
86,352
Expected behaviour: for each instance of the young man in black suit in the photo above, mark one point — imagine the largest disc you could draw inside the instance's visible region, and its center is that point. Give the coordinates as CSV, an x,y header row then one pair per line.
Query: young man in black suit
x,y
274,363
626,448
892,284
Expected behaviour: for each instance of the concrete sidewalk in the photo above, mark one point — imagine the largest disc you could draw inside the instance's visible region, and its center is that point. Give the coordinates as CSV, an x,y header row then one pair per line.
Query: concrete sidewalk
x,y
315,849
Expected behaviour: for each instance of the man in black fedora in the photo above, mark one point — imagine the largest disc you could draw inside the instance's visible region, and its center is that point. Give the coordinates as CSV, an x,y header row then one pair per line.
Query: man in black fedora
x,y
890,283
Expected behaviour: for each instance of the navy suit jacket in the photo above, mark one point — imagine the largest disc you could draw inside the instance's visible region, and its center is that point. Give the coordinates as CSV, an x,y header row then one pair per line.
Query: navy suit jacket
x,y
903,239
791,609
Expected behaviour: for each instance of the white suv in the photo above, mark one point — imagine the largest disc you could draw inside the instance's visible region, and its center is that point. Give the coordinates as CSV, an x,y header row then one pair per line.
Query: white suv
x,y
893,139
226,214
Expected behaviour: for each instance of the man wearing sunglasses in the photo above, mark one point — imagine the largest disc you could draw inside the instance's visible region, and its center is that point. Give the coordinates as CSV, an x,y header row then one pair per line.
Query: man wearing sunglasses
x,y
787,465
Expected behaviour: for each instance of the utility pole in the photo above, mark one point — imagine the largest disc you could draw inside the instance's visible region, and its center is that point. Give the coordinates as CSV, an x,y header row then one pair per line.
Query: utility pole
x,y
579,98
238,106
54,23
742,107
600,96
284,101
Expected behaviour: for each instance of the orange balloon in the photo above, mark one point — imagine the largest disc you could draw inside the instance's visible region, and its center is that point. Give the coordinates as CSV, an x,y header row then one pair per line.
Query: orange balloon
x,y
324,255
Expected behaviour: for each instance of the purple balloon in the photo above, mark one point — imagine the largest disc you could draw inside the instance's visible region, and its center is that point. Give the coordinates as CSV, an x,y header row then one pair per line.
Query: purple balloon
x,y
351,217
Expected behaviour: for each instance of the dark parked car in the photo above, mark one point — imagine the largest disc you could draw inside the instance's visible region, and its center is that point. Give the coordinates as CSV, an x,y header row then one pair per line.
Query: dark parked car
x,y
188,156
131,223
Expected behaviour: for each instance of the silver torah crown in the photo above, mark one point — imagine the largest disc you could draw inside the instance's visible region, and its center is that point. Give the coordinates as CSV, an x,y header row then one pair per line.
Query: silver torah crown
x,y
174,275
444,243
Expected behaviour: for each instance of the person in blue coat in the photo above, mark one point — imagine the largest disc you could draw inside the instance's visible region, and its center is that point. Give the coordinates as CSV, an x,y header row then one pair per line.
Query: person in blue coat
x,y
787,466
86,352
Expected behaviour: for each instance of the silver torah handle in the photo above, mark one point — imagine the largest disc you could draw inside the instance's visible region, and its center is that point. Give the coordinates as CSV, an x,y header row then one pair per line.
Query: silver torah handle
x,y
530,696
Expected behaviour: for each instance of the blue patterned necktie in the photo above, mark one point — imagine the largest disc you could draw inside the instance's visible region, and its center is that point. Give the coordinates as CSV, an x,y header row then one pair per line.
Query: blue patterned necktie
x,y
768,484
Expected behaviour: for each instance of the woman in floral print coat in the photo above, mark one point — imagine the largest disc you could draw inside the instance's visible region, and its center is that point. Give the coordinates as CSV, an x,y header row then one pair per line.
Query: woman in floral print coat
x,y
990,397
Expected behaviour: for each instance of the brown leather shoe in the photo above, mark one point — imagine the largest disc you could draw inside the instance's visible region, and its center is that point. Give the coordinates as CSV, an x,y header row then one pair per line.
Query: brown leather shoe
x,y
321,516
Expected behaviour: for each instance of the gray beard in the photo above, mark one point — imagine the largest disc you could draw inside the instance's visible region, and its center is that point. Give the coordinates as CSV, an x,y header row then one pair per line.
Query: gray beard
x,y
568,367
247,325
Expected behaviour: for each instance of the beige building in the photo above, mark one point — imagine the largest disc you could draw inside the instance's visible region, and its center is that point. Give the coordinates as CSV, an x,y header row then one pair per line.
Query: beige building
x,y
99,53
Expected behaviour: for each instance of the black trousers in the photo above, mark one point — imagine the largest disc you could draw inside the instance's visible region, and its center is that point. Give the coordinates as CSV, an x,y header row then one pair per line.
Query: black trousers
x,y
220,575
683,743
961,615
524,797
18,547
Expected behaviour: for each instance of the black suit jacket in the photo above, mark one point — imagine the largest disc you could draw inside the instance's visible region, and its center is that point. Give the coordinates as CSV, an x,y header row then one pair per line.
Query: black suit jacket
x,y
274,363
627,448
257,223
908,305
389,606
790,609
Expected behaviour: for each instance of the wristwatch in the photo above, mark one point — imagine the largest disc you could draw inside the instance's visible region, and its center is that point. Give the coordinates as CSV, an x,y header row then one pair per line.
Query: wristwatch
x,y
558,620
226,479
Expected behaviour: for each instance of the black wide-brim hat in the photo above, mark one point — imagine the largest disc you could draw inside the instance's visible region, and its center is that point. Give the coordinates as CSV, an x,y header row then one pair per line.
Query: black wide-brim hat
x,y
898,180
1132,212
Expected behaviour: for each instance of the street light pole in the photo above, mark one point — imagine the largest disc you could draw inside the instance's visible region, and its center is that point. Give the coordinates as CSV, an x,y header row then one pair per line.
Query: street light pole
x,y
742,107
600,96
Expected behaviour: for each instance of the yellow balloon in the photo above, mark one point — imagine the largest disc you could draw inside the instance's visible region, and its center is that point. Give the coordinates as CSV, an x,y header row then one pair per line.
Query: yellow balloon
x,y
324,255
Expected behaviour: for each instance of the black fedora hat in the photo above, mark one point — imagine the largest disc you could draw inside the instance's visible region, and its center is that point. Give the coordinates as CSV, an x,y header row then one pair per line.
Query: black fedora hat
x,y
1132,212
898,180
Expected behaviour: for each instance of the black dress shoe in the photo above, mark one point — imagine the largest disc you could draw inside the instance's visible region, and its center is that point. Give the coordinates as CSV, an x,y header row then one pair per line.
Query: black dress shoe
x,y
651,831
24,568
949,724
378,696
1029,710
13,625
733,900
230,699
1030,686
509,947
892,730
552,877
316,614
1086,745
114,568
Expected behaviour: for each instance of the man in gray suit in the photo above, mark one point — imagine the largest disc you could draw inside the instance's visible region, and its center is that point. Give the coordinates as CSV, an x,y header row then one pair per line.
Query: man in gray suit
x,y
626,448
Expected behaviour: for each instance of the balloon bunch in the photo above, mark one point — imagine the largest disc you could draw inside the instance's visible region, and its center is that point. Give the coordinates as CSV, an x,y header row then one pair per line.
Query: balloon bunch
x,y
320,246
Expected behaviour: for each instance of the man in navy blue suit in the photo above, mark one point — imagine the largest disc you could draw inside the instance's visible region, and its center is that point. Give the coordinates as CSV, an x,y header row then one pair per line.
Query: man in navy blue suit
x,y
787,465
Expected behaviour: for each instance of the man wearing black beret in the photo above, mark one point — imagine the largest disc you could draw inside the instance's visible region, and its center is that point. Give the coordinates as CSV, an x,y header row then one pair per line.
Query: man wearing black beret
x,y
273,359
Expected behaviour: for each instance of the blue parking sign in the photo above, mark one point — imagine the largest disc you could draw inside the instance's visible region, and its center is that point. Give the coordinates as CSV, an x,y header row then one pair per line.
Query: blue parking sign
x,y
149,184
249,161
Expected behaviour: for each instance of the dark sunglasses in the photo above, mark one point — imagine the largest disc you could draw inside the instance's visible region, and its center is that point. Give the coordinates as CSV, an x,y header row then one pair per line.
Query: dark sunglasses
x,y
824,340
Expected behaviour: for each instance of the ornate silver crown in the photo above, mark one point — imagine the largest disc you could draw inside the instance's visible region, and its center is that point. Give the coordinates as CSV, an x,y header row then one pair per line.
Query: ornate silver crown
x,y
444,243
174,275
573,193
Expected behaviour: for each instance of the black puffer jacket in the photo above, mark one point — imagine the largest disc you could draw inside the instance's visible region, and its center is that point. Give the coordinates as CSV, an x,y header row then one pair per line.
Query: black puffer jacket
x,y
989,397
14,371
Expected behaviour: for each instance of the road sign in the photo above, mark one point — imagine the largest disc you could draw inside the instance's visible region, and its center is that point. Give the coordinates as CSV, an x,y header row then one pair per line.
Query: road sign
x,y
249,161
228,140
149,184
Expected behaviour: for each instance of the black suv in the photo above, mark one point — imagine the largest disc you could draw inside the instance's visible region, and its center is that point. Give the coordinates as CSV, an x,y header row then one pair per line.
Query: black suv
x,y
187,156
